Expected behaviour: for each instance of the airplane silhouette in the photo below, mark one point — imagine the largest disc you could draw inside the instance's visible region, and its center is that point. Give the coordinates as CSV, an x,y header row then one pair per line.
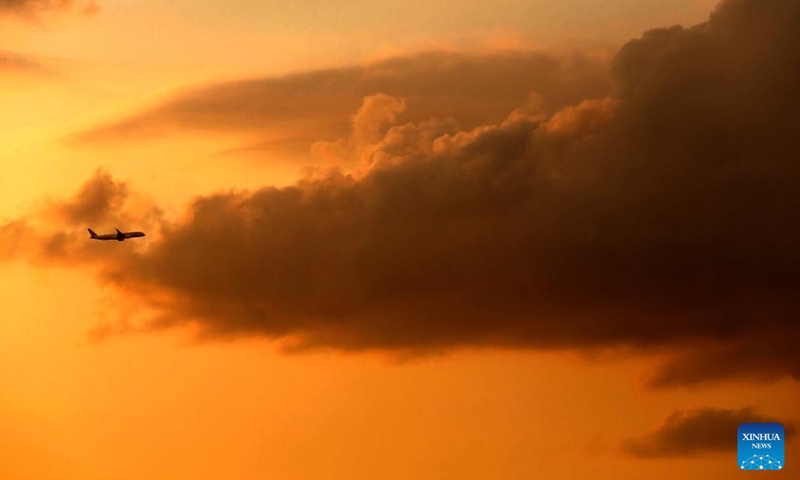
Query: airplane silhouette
x,y
119,236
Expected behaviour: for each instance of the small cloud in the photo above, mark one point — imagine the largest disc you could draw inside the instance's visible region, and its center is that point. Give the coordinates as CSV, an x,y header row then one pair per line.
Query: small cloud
x,y
91,9
14,63
686,433
54,233
31,9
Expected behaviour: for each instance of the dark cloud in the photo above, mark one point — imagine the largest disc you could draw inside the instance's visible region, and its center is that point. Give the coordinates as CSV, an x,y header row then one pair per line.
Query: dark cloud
x,y
665,215
764,358
291,112
97,200
32,8
695,432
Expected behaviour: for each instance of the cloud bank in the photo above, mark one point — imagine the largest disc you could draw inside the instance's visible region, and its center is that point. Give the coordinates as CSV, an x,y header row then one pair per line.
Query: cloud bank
x,y
289,114
661,215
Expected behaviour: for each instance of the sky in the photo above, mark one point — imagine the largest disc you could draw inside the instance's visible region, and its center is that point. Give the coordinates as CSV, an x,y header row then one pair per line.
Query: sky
x,y
461,240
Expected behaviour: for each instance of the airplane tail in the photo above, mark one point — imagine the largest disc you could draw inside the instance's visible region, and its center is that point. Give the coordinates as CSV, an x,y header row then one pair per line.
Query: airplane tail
x,y
91,232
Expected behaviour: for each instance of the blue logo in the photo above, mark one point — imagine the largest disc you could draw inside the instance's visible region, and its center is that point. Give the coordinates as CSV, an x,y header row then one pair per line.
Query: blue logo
x,y
761,446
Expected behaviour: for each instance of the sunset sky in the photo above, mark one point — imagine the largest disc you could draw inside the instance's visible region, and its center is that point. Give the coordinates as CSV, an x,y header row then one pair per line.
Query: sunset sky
x,y
521,239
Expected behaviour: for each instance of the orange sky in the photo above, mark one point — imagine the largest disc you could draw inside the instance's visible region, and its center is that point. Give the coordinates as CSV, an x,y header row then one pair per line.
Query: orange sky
x,y
459,240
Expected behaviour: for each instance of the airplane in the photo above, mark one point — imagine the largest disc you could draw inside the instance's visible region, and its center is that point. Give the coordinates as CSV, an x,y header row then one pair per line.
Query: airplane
x,y
119,236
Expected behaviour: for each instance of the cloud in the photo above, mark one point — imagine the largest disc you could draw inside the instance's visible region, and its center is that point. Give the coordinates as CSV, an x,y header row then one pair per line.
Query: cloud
x,y
15,63
700,431
764,358
33,8
661,216
55,232
289,114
